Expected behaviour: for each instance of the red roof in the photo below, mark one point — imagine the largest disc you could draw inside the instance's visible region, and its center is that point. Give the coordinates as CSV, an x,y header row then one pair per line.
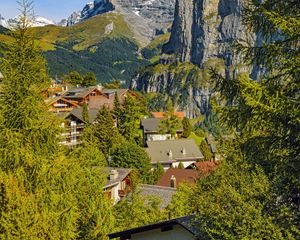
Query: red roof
x,y
180,115
181,175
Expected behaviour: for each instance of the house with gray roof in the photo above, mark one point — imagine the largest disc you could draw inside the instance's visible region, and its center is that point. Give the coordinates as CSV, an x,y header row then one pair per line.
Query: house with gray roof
x,y
164,194
150,127
118,183
171,152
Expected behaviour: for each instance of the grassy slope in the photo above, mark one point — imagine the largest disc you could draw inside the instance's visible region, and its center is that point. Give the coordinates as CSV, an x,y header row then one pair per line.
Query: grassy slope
x,y
89,46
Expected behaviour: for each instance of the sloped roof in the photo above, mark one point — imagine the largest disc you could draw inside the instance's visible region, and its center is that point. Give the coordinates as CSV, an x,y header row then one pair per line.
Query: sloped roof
x,y
189,223
122,174
165,194
79,92
183,149
77,112
181,175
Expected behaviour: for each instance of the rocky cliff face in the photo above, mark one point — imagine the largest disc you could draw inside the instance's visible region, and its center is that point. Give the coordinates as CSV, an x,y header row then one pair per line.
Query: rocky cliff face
x,y
205,29
203,33
147,18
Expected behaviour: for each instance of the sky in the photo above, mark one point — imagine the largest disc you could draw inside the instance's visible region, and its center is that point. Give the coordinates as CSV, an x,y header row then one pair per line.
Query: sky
x,y
52,9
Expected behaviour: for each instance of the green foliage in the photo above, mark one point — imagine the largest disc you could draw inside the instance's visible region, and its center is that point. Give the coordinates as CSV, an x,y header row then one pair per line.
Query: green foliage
x,y
117,109
187,127
85,113
171,123
138,211
76,79
180,165
156,174
89,79
43,195
108,60
130,155
205,149
129,122
105,130
116,84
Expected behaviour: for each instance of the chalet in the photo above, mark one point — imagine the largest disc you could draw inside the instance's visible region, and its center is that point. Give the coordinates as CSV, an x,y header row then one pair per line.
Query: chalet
x,y
82,95
73,126
161,115
118,183
184,228
173,177
107,98
164,194
60,104
171,152
150,127
212,143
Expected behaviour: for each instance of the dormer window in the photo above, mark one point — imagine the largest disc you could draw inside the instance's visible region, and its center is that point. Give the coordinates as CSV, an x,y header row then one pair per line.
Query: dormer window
x,y
183,151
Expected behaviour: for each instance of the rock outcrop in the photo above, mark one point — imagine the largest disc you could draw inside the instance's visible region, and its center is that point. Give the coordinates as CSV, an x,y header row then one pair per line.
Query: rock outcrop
x,y
203,33
147,18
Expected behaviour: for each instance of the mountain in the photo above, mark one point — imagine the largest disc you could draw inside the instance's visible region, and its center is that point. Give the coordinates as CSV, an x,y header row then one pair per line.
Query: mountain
x,y
37,22
202,36
3,22
103,44
146,18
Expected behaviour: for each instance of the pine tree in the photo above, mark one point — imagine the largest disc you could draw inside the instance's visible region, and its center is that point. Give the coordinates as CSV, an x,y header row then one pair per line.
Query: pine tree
x,y
171,123
88,80
130,155
105,131
85,113
129,124
43,195
117,108
187,127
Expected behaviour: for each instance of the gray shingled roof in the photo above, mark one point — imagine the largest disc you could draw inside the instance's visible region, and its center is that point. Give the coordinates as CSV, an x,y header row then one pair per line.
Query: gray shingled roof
x,y
122,174
77,112
163,193
183,149
78,92
150,125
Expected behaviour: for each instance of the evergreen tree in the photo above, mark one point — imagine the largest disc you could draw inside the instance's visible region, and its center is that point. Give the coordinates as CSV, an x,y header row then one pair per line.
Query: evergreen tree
x,y
85,113
171,123
130,155
117,108
105,130
129,124
43,195
187,127
205,149
180,165
157,172
74,78
89,80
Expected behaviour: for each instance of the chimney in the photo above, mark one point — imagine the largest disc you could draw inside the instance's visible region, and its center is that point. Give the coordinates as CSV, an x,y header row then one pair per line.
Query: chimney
x,y
113,175
170,154
183,151
173,183
99,87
